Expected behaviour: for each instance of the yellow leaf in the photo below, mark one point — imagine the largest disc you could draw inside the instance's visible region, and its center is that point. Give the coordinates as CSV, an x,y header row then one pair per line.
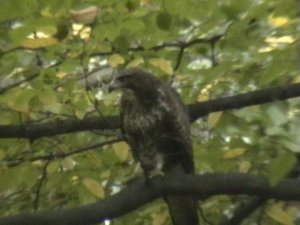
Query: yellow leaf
x,y
160,218
75,180
136,62
213,119
86,33
79,113
274,41
37,163
145,2
94,187
77,27
279,21
39,42
202,98
296,79
121,149
277,213
181,77
46,12
61,74
266,49
244,166
236,152
115,60
162,64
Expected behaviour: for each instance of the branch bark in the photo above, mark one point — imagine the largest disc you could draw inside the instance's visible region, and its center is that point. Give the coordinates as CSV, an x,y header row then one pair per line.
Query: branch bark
x,y
243,100
246,209
197,110
201,186
60,155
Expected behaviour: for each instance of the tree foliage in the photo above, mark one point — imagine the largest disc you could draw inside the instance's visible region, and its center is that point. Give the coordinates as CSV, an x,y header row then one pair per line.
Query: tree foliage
x,y
60,145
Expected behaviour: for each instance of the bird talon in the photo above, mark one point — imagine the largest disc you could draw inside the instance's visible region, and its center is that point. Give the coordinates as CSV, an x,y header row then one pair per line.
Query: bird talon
x,y
155,173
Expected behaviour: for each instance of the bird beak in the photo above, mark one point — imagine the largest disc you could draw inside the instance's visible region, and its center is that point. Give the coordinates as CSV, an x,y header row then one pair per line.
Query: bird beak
x,y
114,84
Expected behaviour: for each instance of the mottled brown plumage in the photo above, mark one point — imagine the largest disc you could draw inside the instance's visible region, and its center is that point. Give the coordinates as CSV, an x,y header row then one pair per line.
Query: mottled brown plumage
x,y
156,126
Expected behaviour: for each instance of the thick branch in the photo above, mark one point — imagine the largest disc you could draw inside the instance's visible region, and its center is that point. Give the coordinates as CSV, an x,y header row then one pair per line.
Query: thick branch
x,y
196,111
39,130
202,186
243,100
244,210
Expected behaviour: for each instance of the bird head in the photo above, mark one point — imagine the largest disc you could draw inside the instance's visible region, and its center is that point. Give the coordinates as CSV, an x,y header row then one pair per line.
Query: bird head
x,y
134,79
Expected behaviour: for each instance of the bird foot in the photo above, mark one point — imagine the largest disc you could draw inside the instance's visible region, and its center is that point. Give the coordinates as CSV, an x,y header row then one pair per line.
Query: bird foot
x,y
155,173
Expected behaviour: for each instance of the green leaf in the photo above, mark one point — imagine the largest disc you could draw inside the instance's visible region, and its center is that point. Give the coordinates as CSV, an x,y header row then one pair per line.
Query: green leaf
x,y
121,43
274,130
280,166
280,214
18,176
69,65
213,119
85,196
19,100
232,9
2,154
163,64
68,163
133,25
277,115
47,96
163,20
54,107
53,167
292,145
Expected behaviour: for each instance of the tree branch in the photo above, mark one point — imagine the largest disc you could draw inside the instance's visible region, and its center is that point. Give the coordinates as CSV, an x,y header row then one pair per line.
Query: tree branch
x,y
201,186
25,80
246,209
60,155
197,110
39,184
35,131
243,100
158,47
17,83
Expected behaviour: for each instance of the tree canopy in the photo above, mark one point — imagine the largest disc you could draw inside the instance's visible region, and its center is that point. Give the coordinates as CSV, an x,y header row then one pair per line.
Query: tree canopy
x,y
235,65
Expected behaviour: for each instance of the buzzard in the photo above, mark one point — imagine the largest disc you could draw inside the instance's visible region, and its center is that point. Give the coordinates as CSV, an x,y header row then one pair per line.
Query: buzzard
x,y
156,126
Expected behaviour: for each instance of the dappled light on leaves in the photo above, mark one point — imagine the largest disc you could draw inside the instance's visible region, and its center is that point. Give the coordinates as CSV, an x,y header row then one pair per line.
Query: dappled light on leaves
x,y
235,65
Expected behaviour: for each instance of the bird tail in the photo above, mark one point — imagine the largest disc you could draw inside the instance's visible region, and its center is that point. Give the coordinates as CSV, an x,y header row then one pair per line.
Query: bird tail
x,y
183,210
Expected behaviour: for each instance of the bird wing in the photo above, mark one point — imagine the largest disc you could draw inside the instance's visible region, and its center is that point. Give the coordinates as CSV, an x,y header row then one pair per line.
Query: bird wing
x,y
177,125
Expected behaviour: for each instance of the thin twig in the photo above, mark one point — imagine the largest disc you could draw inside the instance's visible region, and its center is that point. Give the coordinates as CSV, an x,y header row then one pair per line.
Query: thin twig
x,y
61,154
39,185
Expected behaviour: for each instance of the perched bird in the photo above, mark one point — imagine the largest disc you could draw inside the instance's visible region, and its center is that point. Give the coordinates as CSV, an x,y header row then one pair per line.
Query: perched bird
x,y
156,126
